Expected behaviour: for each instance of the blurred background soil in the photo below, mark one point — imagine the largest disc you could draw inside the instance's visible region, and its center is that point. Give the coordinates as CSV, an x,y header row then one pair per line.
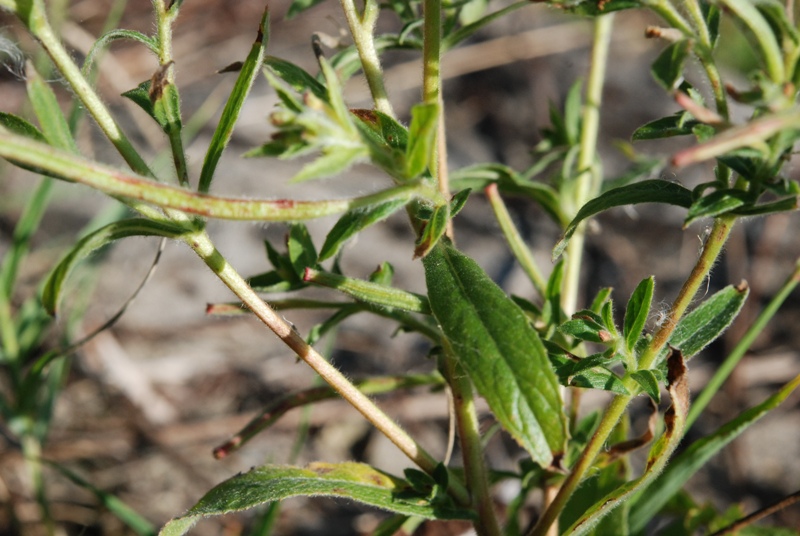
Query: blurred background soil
x,y
148,400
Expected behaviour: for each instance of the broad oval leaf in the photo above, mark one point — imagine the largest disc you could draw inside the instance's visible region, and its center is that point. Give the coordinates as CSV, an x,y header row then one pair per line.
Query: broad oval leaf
x,y
650,191
105,235
503,355
648,381
349,480
702,326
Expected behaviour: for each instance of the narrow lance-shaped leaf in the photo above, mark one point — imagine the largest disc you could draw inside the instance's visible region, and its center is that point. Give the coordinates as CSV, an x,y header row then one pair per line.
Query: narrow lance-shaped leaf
x,y
351,223
433,231
650,191
636,313
105,235
349,480
45,104
230,114
703,325
492,339
650,501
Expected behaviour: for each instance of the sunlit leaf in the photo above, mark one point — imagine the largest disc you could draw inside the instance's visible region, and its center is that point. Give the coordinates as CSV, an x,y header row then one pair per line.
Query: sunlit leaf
x,y
651,191
233,107
492,339
354,481
353,222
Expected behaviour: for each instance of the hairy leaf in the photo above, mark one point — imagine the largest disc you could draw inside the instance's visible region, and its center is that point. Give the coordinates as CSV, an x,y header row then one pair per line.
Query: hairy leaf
x,y
51,291
492,339
703,325
349,480
651,191
233,107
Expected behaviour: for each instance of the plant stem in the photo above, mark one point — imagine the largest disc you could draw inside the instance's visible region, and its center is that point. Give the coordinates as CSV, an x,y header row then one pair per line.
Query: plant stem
x,y
362,28
40,27
517,244
711,250
164,20
722,373
432,93
472,449
202,245
32,450
587,184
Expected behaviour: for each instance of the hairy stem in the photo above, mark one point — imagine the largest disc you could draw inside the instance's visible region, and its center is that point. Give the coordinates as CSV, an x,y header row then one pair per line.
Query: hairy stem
x,y
587,184
202,245
362,27
722,373
466,419
711,250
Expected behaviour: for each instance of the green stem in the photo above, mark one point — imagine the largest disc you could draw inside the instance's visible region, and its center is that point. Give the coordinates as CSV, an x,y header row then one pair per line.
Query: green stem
x,y
466,419
164,20
362,27
518,247
432,92
744,344
61,164
202,245
39,26
711,250
587,184
32,450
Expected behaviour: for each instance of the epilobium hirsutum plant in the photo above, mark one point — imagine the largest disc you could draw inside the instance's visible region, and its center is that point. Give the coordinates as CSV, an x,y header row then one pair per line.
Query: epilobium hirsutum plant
x,y
528,358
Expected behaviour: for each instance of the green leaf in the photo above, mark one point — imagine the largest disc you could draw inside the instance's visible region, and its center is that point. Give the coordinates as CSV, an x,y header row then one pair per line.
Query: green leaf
x,y
593,8
508,181
679,124
585,328
648,381
466,31
492,339
296,77
433,231
51,291
351,223
333,161
421,135
113,504
349,480
648,503
715,204
230,114
140,95
458,201
301,250
298,6
20,126
702,326
636,313
664,446
668,67
651,191
371,293
115,35
45,104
